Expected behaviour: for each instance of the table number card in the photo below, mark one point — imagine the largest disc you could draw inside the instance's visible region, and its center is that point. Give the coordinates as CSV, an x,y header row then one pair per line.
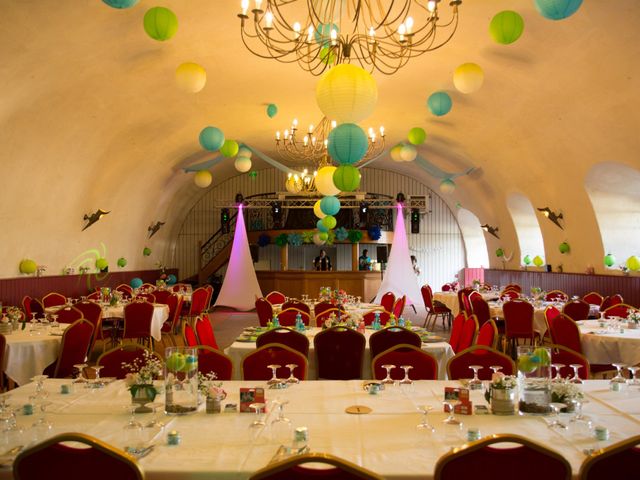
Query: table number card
x,y
249,396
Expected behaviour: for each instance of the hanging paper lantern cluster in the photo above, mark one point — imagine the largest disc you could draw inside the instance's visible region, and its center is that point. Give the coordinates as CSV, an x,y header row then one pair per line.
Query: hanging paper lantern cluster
x,y
243,160
633,263
324,181
160,23
348,143
609,260
439,103
346,178
330,205
347,94
506,27
538,261
120,3
468,77
447,186
272,110
557,9
203,178
211,138
122,262
229,148
417,136
28,266
191,77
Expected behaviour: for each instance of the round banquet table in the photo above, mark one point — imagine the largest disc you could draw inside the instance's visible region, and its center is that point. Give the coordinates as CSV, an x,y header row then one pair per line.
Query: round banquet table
x,y
603,346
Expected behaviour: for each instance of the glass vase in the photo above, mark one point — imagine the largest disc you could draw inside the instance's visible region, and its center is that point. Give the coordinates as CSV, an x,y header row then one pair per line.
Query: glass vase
x,y
534,380
181,380
503,401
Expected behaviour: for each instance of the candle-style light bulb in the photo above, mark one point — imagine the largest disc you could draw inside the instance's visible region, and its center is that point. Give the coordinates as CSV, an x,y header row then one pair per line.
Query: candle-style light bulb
x,y
334,36
381,131
313,141
258,4
373,137
334,124
305,140
286,134
409,24
268,19
326,143
296,30
295,123
401,31
431,5
310,35
372,33
244,5
310,128
278,135
305,171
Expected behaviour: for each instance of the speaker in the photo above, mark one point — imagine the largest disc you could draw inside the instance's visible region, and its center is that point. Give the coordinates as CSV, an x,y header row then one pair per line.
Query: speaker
x,y
415,220
255,253
381,253
549,268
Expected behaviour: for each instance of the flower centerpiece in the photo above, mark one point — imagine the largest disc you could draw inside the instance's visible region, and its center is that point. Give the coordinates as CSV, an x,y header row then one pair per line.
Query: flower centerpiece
x,y
566,392
15,315
633,319
502,394
139,380
212,391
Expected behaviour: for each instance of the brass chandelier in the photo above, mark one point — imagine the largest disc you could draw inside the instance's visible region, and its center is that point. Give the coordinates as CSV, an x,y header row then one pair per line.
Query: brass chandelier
x,y
378,35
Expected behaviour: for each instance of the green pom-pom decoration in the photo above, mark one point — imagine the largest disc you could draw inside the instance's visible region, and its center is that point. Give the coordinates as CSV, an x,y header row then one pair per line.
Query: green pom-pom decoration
x,y
355,236
281,240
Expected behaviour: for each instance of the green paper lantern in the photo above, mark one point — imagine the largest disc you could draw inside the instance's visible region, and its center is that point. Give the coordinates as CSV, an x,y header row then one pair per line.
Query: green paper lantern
x,y
146,251
417,136
609,260
564,247
633,263
272,110
538,261
229,148
211,138
557,9
348,143
347,178
28,266
160,23
120,3
439,103
330,205
327,55
323,236
329,221
527,260
101,264
122,262
499,253
320,226
506,27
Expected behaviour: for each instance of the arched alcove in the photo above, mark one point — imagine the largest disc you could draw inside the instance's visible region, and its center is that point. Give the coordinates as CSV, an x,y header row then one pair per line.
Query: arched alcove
x,y
614,191
526,225
474,241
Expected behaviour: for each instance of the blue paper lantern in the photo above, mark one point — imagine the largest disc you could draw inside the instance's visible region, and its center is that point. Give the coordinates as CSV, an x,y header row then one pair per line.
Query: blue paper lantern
x,y
171,279
439,103
136,282
322,35
321,226
272,110
211,138
348,143
120,3
330,205
557,9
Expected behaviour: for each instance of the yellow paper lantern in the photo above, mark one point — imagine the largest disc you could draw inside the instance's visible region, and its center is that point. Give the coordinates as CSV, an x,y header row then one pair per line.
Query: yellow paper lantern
x,y
203,178
395,153
468,77
293,184
347,93
324,181
317,210
538,261
633,263
191,77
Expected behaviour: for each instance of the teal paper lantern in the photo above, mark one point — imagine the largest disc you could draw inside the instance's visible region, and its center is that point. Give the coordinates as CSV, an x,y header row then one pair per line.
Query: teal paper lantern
x,y
120,3
348,143
330,205
347,178
417,136
557,9
136,282
160,23
321,226
272,110
506,27
322,35
171,279
439,103
211,138
329,221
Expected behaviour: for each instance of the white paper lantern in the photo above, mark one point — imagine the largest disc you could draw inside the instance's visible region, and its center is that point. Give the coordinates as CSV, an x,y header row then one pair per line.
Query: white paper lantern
x,y
203,178
324,181
191,77
242,164
447,186
316,239
408,153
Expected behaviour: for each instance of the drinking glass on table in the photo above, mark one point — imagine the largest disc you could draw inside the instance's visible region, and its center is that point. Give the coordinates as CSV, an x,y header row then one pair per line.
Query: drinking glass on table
x,y
556,423
274,380
256,427
133,437
406,380
618,382
424,425
576,374
388,380
452,426
633,378
281,427
558,377
42,427
475,383
80,373
292,378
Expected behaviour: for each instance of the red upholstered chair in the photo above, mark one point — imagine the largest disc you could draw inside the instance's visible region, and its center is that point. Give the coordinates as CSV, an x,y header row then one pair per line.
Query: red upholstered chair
x,y
125,290
285,336
171,326
212,360
425,366
204,331
458,365
199,301
92,312
162,296
507,295
468,334
294,468
619,310
3,348
518,320
566,357
55,458
95,296
189,335
488,335
390,337
137,321
297,304
69,314
434,309
577,309
264,311
620,460
112,360
149,297
593,298
321,307
556,296
480,309
35,306
456,331
514,286
610,301
74,348
287,318
387,301
276,297
398,306
370,316
254,365
340,352
53,299
474,294
550,313
147,287
338,312
478,460
209,289
463,300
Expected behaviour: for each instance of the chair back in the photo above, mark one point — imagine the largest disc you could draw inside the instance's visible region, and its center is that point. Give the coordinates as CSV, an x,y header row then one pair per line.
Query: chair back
x,y
321,307
53,299
456,331
610,301
620,460
390,337
468,334
294,468
35,306
458,365
593,298
137,320
297,304
339,352
285,336
199,301
212,360
370,316
550,314
566,356
276,297
398,306
69,314
189,335
507,295
577,309
94,296
254,365
425,366
387,301
478,460
619,310
287,318
514,286
480,309
488,335
125,289
112,360
518,319
565,332
74,348
54,458
338,312
92,312
556,296
464,304
162,296
174,302
264,311
427,297
209,289
204,331
149,297
3,348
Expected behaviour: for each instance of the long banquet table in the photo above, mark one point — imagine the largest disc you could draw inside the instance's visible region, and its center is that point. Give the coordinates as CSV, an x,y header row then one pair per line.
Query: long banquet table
x,y
385,441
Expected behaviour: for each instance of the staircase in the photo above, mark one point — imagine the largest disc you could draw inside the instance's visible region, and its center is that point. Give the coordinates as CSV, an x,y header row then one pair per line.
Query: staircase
x,y
215,252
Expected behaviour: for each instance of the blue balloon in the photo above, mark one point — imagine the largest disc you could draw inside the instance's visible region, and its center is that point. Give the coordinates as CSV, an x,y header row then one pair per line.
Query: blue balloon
x,y
321,226
330,205
557,9
348,143
120,3
136,282
171,279
211,138
439,103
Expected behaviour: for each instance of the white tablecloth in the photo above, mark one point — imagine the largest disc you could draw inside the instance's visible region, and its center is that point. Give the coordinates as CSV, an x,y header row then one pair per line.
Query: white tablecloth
x,y
28,355
442,352
385,441
601,346
160,315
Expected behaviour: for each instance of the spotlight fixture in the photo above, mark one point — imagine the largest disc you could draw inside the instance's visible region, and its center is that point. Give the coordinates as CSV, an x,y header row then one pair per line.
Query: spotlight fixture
x,y
94,217
489,229
400,198
239,198
363,214
551,215
276,213
225,220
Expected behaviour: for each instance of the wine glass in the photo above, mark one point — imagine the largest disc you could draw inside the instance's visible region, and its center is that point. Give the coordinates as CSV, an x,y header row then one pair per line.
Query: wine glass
x,y
558,377
55,326
576,374
424,425
41,392
281,427
495,368
274,379
155,422
633,379
475,383
406,380
133,438
259,423
388,380
453,426
80,368
292,378
42,427
556,423
618,381
33,324
96,381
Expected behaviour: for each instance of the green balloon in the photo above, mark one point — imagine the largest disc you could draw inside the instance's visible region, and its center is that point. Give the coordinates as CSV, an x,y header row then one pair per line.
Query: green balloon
x,y
146,251
346,178
229,148
506,27
609,260
160,23
564,247
28,266
122,262
499,253
101,264
417,136
329,222
527,260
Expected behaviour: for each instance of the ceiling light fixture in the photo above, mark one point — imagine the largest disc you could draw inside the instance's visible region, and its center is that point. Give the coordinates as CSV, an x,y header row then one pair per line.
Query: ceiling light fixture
x,y
317,34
